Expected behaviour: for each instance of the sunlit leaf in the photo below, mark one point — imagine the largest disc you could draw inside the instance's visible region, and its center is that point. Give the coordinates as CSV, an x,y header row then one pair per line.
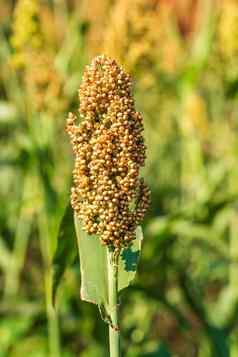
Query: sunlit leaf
x,y
94,268
128,261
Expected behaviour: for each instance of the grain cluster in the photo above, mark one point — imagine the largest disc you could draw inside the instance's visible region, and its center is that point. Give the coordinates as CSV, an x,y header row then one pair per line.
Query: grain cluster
x,y
108,195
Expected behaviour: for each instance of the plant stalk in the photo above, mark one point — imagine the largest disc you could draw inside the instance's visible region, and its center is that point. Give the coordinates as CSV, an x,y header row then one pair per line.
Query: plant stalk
x,y
233,276
46,243
114,333
52,318
17,258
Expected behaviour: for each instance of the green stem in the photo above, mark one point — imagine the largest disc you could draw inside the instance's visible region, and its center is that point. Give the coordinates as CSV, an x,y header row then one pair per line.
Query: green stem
x,y
53,327
46,243
17,259
114,334
233,275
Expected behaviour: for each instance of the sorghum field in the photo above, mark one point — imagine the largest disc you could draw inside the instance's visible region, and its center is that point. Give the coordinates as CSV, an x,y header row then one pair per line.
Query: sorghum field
x,y
182,56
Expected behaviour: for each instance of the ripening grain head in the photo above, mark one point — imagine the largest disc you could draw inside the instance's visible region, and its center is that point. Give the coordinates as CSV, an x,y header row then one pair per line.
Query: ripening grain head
x,y
108,195
27,35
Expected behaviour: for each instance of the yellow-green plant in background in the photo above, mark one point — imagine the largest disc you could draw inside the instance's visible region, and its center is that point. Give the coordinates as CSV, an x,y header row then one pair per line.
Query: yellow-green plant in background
x,y
27,35
33,57
137,36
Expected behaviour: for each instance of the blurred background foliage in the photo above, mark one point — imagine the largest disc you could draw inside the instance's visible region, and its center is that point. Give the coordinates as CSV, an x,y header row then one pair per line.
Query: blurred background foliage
x,y
183,55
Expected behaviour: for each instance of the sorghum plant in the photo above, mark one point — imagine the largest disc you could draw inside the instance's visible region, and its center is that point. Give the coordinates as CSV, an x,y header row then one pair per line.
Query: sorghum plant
x,y
108,197
39,98
27,33
34,61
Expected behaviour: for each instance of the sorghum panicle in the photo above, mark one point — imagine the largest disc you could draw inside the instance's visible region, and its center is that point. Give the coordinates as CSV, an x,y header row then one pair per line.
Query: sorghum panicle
x,y
44,84
27,34
108,195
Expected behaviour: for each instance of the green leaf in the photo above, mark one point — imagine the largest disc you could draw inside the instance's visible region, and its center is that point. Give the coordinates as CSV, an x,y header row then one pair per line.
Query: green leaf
x,y
220,345
128,261
66,249
94,267
93,263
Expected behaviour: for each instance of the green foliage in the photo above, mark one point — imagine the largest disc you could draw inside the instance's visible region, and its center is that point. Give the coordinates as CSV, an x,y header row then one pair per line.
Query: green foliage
x,y
94,265
66,250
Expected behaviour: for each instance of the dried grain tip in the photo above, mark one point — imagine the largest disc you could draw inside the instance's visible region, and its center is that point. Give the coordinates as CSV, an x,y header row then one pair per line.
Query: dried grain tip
x,y
109,149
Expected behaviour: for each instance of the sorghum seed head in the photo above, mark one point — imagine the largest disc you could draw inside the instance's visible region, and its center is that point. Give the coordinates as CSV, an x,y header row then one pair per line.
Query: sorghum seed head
x,y
109,150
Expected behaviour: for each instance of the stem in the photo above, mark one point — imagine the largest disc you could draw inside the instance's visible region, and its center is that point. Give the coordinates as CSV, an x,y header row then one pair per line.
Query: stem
x,y
233,274
114,334
21,238
46,244
52,318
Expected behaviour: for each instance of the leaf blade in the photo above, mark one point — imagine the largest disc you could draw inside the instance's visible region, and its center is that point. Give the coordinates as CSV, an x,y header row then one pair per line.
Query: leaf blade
x,y
66,250
128,261
94,267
